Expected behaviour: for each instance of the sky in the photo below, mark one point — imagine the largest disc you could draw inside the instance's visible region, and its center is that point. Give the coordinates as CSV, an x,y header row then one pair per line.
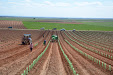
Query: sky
x,y
57,8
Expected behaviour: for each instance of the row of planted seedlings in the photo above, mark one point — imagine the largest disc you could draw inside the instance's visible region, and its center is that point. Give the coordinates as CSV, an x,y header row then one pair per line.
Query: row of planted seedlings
x,y
90,49
105,41
70,63
101,35
96,42
28,69
92,37
70,38
92,34
95,60
88,38
87,35
92,41
92,44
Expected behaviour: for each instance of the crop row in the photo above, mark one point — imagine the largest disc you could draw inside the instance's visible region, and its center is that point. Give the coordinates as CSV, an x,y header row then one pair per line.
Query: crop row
x,y
95,60
106,36
70,63
93,38
28,69
92,44
90,49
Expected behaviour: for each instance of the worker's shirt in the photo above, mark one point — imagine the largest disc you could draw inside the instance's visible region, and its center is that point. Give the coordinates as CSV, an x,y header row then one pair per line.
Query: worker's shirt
x,y
30,40
31,45
44,41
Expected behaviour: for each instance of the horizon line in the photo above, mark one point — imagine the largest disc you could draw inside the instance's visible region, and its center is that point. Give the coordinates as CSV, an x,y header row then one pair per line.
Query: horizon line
x,y
53,17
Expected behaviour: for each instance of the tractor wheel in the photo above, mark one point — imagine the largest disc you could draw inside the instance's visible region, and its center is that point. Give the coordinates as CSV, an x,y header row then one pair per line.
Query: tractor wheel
x,y
23,43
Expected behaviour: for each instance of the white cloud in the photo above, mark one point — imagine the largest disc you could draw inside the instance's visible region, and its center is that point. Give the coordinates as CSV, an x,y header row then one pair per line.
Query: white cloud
x,y
27,0
87,3
49,3
63,4
29,3
17,4
12,2
58,4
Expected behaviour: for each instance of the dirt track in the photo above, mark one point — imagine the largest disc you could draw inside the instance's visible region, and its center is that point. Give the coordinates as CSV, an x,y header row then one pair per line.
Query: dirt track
x,y
59,21
14,57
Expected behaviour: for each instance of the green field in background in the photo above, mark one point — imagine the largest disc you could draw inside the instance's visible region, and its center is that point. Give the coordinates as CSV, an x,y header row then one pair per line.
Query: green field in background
x,y
88,24
105,24
99,26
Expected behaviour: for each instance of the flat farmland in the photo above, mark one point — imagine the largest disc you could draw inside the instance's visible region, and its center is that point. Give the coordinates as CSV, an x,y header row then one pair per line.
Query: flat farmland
x,y
79,52
70,24
13,24
85,52
67,23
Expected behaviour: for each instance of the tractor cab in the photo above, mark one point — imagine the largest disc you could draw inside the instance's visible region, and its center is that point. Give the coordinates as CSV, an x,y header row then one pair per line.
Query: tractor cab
x,y
26,39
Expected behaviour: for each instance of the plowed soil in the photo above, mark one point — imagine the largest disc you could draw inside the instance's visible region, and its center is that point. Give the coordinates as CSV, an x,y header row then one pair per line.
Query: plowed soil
x,y
14,24
14,57
59,21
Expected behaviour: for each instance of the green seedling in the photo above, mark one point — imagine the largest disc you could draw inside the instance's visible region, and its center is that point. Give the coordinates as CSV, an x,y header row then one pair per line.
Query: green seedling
x,y
109,67
24,72
106,55
99,62
29,68
102,64
105,65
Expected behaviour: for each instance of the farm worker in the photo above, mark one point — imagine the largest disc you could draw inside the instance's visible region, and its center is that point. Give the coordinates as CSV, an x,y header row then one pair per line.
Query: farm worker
x,y
31,46
44,42
43,36
30,40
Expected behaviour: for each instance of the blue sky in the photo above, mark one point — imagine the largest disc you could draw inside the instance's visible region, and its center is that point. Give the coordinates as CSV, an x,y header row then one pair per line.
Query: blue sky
x,y
58,8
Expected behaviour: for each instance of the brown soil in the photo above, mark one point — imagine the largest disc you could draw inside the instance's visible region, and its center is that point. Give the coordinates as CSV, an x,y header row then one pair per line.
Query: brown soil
x,y
14,57
59,21
14,24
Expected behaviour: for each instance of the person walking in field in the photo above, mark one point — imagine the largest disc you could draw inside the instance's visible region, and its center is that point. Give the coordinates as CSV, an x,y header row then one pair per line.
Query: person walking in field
x,y
43,36
44,42
30,40
31,46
